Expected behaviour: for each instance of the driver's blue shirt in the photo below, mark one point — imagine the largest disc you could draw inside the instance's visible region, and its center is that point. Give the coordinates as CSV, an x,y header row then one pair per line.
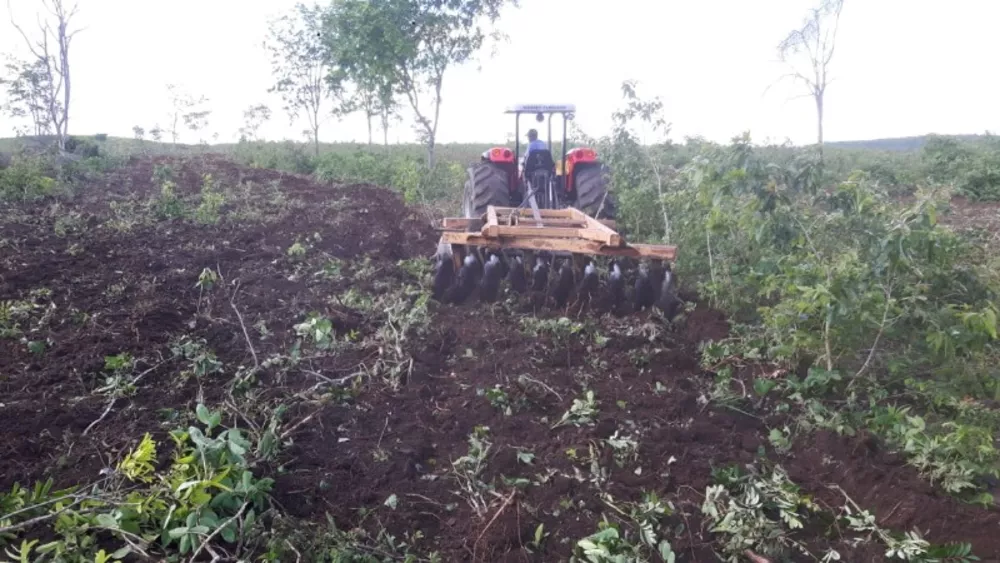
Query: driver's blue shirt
x,y
536,145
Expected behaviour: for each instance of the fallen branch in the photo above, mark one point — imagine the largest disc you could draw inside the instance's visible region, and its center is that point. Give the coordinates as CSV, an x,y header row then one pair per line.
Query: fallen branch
x,y
382,435
232,303
339,381
298,556
38,519
755,558
102,417
542,385
295,426
218,530
878,336
147,372
500,510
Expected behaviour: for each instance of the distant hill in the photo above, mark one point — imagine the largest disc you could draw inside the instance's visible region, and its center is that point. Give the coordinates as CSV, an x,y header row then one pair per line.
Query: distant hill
x,y
898,143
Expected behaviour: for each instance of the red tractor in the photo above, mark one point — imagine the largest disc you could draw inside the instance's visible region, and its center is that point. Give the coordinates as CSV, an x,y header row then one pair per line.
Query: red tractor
x,y
503,179
525,218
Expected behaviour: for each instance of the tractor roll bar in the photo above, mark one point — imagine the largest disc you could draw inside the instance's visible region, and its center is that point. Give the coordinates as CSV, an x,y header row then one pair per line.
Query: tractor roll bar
x,y
541,110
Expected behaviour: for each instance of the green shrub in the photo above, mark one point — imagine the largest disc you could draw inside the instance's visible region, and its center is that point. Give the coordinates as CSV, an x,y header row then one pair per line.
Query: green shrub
x,y
26,180
981,181
87,149
211,202
406,174
287,156
168,204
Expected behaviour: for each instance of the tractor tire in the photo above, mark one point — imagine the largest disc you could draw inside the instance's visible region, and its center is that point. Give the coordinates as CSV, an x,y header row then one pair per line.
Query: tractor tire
x,y
487,185
592,195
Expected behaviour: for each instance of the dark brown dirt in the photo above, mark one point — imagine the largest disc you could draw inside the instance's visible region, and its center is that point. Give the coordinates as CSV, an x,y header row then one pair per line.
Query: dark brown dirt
x,y
883,483
134,292
425,427
964,214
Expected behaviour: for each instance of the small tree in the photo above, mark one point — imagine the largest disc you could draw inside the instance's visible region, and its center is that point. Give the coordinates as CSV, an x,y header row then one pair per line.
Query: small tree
x,y
253,118
51,53
649,113
300,65
186,109
367,91
388,112
196,120
27,88
410,46
816,39
138,132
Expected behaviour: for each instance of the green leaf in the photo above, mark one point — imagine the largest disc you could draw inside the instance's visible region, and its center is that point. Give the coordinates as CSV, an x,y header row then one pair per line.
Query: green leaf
x,y
107,521
121,553
203,414
763,386
229,534
178,532
208,418
667,552
268,443
539,534
237,448
249,519
209,518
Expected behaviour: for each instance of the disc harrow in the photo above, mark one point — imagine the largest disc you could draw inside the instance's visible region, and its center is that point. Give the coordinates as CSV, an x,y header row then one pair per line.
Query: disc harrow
x,y
558,252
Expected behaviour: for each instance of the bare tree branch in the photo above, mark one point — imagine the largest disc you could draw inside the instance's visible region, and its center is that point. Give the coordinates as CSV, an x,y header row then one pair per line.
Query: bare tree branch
x,y
818,42
58,91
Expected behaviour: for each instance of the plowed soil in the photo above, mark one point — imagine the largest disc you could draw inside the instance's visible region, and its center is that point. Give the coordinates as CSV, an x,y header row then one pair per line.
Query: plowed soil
x,y
94,289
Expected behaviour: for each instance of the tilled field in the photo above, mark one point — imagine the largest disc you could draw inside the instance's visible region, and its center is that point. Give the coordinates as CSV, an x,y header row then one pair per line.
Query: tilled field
x,y
480,432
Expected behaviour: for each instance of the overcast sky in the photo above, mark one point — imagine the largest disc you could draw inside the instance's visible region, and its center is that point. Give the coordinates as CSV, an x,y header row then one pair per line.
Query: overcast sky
x,y
902,67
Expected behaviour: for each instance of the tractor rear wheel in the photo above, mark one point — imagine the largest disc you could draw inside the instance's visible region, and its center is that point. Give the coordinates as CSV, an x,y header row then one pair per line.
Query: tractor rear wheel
x,y
592,195
487,185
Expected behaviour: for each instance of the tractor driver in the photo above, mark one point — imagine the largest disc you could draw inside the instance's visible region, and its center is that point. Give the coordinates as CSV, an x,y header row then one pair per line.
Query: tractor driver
x,y
534,144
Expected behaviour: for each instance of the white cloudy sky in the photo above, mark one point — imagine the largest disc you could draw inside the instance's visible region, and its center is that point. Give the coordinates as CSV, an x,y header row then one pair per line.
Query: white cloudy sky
x,y
903,67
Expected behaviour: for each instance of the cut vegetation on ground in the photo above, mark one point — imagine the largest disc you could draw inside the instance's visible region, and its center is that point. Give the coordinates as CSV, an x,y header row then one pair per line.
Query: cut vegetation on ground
x,y
201,360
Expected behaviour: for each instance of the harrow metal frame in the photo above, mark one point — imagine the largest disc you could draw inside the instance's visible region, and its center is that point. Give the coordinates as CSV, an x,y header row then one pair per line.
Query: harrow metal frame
x,y
549,230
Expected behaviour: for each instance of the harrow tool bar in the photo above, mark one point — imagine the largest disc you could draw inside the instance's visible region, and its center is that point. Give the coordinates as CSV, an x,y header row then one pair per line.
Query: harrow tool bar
x,y
555,230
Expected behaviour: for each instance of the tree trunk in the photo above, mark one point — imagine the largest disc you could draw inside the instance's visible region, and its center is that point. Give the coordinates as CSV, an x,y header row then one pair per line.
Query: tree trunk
x,y
430,151
315,127
369,116
64,63
819,125
385,128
